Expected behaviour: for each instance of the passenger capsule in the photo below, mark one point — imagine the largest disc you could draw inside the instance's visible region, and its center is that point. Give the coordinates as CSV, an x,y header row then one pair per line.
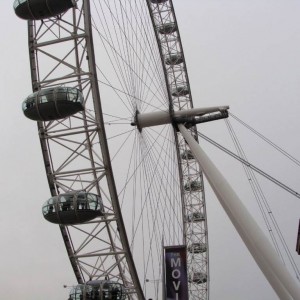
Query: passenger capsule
x,y
198,277
174,59
167,28
41,9
195,217
193,186
53,103
158,1
187,155
73,208
98,290
197,248
180,91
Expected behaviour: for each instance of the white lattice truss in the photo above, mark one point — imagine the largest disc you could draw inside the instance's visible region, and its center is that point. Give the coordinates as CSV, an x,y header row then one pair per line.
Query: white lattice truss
x,y
76,155
193,200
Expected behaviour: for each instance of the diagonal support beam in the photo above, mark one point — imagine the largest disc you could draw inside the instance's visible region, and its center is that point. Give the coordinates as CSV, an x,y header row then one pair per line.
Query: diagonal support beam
x,y
257,243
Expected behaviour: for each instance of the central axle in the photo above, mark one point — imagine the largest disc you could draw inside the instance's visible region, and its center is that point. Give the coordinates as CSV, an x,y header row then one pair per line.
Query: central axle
x,y
188,117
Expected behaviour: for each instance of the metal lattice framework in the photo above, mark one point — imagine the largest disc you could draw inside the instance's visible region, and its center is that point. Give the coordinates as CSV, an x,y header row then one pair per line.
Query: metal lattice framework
x,y
195,232
76,149
61,53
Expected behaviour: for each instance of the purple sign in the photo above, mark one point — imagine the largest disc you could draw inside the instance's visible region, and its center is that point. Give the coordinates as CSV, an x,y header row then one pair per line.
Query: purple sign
x,y
176,273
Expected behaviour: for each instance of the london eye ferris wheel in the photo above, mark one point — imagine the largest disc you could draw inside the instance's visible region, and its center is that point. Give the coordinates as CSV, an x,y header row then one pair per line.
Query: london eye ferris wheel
x,y
120,192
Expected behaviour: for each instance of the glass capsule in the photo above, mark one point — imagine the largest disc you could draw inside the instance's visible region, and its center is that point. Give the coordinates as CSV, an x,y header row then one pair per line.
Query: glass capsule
x,y
41,9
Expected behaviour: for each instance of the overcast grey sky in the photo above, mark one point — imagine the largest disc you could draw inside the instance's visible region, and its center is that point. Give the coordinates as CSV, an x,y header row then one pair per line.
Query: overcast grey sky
x,y
239,53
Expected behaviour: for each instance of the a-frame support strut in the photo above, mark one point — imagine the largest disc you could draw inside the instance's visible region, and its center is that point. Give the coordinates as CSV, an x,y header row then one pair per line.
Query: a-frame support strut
x,y
257,243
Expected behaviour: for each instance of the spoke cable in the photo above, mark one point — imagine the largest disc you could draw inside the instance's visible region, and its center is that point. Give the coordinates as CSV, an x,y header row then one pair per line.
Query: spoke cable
x,y
256,169
289,156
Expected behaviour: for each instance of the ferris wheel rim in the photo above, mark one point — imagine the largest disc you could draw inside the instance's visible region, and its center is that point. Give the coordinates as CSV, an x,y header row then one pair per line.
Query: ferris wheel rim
x,y
65,233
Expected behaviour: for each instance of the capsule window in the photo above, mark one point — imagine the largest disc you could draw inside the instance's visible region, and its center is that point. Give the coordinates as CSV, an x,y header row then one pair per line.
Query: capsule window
x,y
81,201
46,96
61,94
77,293
43,99
50,206
66,202
28,103
73,95
45,210
18,2
92,204
92,201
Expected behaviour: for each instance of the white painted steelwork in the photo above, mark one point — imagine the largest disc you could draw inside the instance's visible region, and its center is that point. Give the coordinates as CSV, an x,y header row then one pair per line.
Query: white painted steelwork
x,y
164,117
180,98
75,151
258,244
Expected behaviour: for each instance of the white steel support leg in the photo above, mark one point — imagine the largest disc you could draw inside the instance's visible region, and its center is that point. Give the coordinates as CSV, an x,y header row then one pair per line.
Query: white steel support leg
x,y
259,246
